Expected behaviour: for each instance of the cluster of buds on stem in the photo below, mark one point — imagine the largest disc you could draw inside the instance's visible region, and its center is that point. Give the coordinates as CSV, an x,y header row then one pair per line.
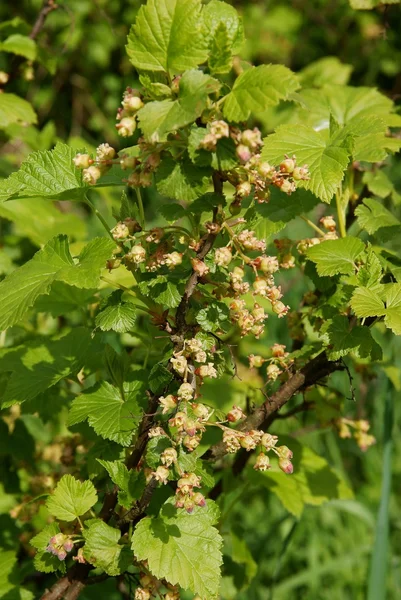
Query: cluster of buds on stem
x,y
59,545
348,428
185,496
277,363
126,116
93,169
250,440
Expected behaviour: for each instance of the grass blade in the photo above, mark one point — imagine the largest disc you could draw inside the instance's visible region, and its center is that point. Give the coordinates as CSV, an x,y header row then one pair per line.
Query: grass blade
x,y
379,559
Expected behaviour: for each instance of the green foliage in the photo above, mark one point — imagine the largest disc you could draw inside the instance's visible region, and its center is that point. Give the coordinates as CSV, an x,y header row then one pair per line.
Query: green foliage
x,y
150,323
116,314
71,498
258,88
327,158
22,288
103,550
336,256
167,37
15,110
46,174
40,364
182,548
113,413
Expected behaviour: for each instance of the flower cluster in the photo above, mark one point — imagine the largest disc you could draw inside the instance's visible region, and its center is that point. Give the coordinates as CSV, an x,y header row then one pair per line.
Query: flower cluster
x,y
360,432
60,545
150,587
250,440
126,115
185,496
93,169
253,174
278,362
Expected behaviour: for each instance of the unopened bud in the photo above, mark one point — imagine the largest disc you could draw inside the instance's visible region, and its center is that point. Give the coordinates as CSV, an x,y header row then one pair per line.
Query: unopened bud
x,y
287,165
91,175
126,126
243,153
286,465
82,161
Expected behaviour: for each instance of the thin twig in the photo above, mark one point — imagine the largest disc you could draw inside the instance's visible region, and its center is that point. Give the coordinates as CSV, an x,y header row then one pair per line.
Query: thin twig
x,y
48,7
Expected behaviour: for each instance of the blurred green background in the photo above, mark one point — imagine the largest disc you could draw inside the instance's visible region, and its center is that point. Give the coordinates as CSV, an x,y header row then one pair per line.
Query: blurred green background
x,y
323,553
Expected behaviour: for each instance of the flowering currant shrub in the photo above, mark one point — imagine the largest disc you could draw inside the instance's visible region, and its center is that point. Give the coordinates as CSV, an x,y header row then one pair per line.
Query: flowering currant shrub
x,y
155,394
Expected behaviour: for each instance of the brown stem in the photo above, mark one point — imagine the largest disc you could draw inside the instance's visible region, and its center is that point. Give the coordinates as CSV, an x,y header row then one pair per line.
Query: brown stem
x,y
205,248
48,7
315,370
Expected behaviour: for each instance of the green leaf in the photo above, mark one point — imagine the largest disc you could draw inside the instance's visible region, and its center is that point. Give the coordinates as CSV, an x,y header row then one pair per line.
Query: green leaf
x,y
378,183
40,220
214,317
10,576
217,13
313,481
22,287
116,314
182,180
258,88
362,113
367,303
154,449
42,539
158,119
273,216
86,272
14,109
165,292
49,174
336,256
182,548
371,273
48,563
71,498
21,45
102,549
38,365
220,59
159,377
155,89
131,483
345,339
372,215
393,310
167,36
325,70
63,299
172,212
327,159
111,416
